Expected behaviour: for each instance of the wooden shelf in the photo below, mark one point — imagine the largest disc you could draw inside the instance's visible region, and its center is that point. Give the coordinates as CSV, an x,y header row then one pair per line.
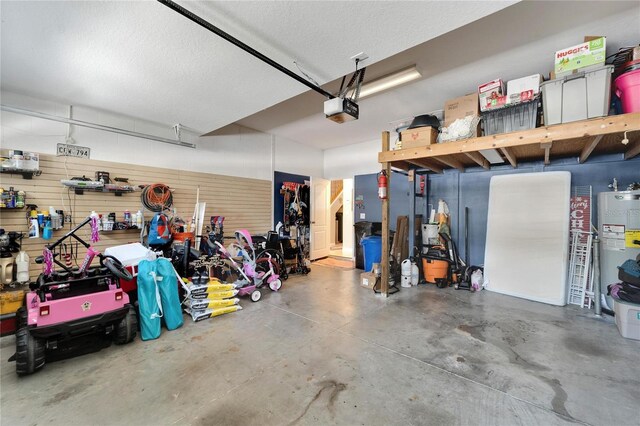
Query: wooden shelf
x,y
116,192
26,174
578,139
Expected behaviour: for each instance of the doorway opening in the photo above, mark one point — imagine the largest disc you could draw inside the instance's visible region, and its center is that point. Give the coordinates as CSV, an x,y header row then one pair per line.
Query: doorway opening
x,y
341,219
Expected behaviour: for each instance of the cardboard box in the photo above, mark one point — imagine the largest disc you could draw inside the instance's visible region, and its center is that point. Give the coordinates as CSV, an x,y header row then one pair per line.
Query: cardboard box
x,y
460,108
420,136
523,89
368,279
591,52
492,95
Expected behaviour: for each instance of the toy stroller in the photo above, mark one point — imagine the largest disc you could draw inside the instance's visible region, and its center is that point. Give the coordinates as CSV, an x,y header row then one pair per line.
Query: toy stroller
x,y
215,233
254,273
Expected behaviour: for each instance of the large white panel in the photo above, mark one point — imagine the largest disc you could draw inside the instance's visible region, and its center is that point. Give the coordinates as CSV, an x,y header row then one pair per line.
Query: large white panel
x,y
528,236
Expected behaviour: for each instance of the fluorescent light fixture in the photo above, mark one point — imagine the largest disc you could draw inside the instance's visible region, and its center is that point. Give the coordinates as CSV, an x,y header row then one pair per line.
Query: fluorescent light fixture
x,y
389,82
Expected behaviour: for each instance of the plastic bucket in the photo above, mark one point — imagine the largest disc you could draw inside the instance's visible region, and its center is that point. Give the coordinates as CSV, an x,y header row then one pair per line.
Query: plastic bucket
x,y
628,89
372,247
181,236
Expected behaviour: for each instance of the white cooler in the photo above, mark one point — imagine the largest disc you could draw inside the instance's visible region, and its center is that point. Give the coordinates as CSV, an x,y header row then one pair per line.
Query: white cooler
x,y
130,256
627,318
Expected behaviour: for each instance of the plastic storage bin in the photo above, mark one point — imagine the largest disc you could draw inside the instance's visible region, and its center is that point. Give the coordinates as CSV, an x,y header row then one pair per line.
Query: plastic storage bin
x,y
577,96
627,318
628,90
523,116
372,251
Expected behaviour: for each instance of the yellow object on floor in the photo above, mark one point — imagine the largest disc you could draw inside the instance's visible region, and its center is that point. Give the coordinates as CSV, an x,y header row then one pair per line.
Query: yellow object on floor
x,y
212,303
199,315
213,294
209,287
218,286
11,301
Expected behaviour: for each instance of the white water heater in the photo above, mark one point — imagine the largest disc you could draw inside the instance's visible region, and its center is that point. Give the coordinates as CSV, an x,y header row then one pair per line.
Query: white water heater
x,y
619,229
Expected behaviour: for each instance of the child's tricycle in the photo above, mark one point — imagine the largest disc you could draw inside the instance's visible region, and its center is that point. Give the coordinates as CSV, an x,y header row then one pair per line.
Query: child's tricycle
x,y
254,272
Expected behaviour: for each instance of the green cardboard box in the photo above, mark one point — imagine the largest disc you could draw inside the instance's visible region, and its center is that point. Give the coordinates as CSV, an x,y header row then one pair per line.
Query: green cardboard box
x,y
591,52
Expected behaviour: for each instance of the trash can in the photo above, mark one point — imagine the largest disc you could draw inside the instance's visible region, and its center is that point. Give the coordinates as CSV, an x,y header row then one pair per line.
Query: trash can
x,y
372,247
364,229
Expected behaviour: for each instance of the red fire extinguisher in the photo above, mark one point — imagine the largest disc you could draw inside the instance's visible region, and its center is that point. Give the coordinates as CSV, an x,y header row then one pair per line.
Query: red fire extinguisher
x,y
383,185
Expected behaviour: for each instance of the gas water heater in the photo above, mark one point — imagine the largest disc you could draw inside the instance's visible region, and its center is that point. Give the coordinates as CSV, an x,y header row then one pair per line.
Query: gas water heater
x,y
619,229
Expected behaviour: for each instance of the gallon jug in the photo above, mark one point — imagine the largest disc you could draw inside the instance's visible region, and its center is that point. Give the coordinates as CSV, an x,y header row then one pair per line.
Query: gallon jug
x,y
22,267
54,218
415,273
139,219
405,271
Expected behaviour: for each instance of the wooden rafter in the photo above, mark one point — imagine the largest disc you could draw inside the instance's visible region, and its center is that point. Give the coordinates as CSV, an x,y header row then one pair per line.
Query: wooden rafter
x,y
402,165
426,164
633,151
479,159
588,148
547,152
448,160
510,156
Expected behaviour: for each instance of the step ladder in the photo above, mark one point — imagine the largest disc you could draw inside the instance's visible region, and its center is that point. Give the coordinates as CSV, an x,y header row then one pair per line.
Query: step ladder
x,y
580,281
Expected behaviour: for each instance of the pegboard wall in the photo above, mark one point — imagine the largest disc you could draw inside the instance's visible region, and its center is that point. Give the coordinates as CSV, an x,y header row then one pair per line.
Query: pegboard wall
x,y
245,203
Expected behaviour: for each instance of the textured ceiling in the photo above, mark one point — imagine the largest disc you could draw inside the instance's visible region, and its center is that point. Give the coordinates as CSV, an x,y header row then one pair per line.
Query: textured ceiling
x,y
517,41
141,59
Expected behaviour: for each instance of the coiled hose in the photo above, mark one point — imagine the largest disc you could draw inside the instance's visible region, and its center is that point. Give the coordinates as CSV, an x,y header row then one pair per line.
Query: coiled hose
x,y
156,197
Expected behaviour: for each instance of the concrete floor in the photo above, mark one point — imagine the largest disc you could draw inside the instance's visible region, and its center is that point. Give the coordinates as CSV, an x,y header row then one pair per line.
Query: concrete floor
x,y
326,351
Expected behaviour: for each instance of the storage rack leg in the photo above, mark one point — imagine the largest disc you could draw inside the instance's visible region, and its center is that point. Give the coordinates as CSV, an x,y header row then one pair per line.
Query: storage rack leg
x,y
384,281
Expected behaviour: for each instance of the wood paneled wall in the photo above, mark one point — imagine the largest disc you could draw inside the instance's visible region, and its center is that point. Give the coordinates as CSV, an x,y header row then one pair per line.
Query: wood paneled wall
x,y
336,188
245,203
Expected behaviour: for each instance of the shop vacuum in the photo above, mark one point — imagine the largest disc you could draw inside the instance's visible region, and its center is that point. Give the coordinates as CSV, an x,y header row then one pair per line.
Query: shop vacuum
x,y
442,265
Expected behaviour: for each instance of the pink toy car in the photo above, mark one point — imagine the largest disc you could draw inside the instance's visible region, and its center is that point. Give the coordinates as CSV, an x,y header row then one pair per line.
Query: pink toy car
x,y
72,302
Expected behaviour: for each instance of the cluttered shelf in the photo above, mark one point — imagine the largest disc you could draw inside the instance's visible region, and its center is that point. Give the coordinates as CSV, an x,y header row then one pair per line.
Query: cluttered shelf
x,y
603,135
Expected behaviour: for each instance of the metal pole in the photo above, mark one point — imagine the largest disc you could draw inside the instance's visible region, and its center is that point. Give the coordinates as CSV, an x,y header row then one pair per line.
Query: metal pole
x,y
94,126
597,288
217,31
466,236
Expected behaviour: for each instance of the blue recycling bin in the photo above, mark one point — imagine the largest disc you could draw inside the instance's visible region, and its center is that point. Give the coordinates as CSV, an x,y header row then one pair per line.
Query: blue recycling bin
x,y
372,247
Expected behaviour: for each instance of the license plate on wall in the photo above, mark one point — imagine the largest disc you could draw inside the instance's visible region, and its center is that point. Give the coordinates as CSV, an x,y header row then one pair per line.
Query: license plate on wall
x,y
66,150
